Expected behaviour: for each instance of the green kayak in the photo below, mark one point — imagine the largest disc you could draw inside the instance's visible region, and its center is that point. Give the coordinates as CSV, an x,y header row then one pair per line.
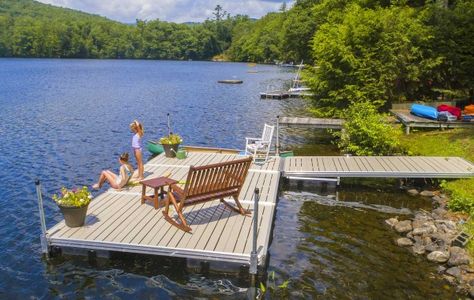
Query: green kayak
x,y
154,147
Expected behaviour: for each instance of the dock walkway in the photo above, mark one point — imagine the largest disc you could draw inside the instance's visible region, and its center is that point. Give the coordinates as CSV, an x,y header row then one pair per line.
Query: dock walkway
x,y
376,167
117,221
311,122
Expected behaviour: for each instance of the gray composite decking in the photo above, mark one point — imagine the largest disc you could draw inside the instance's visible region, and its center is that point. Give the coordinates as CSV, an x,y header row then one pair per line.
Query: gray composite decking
x,y
117,221
377,166
311,122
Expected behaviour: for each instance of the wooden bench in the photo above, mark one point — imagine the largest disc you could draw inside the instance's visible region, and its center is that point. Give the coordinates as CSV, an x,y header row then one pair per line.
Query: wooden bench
x,y
207,183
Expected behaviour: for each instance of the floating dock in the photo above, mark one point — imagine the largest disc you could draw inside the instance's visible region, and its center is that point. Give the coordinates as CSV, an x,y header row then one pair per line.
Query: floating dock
x,y
412,121
117,221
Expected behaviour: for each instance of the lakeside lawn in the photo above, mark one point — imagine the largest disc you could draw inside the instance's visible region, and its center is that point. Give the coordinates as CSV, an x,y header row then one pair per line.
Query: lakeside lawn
x,y
453,142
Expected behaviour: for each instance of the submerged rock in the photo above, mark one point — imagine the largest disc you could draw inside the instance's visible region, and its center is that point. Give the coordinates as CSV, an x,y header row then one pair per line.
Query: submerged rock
x,y
427,193
440,211
454,271
438,256
441,269
458,257
419,249
391,222
425,230
403,226
403,242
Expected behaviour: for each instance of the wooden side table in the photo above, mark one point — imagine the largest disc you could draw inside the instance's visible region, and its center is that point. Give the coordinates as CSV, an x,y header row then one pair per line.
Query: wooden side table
x,y
156,184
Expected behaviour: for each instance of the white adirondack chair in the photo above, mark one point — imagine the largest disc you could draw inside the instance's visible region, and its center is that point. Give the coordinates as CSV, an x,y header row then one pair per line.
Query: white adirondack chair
x,y
259,148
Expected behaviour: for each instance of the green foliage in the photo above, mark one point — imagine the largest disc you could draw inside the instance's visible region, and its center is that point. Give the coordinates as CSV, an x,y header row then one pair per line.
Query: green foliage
x,y
171,139
453,142
73,198
261,42
461,194
365,132
33,29
370,55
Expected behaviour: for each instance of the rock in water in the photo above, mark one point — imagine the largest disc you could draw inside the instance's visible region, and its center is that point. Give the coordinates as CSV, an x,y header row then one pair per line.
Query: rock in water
x,y
391,222
440,211
412,192
418,249
403,242
454,271
403,226
427,193
425,230
458,257
438,256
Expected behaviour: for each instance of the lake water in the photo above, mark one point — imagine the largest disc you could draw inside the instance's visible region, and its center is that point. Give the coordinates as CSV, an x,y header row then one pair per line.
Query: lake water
x,y
63,121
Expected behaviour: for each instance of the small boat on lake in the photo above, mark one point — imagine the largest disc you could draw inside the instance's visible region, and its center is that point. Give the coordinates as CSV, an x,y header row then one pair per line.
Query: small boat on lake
x,y
231,81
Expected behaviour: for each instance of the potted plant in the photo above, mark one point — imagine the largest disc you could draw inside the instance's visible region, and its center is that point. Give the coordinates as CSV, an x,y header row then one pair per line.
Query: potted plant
x,y
73,204
170,144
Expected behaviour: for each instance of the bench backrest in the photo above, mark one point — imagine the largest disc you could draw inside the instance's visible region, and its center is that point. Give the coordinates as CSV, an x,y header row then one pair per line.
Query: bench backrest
x,y
217,178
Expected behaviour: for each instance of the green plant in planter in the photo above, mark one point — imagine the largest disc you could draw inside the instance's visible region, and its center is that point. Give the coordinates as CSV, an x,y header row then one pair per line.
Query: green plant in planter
x,y
171,139
73,198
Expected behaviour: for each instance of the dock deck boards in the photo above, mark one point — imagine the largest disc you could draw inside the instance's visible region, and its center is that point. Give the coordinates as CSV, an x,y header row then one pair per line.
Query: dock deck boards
x,y
377,166
311,122
117,221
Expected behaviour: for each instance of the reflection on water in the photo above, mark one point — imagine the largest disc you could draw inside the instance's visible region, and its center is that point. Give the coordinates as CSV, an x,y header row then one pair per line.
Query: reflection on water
x,y
332,248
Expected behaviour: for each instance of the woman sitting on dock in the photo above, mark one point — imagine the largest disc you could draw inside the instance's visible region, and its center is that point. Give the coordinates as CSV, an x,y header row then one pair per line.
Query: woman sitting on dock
x,y
116,181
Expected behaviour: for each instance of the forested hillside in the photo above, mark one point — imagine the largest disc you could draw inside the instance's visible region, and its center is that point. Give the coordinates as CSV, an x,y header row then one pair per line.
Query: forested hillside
x,y
32,29
377,51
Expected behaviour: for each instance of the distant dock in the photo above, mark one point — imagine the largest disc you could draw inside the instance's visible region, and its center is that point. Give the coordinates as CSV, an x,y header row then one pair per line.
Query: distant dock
x,y
282,94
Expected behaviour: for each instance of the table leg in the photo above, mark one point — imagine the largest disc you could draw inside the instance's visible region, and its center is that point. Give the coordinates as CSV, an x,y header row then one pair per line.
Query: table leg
x,y
143,193
155,198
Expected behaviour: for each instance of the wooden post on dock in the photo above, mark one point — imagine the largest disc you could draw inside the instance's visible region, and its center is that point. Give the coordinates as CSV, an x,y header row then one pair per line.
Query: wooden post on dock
x,y
44,242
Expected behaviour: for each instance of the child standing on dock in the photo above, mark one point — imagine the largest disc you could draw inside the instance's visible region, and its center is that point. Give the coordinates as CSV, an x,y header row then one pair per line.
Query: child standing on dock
x,y
137,128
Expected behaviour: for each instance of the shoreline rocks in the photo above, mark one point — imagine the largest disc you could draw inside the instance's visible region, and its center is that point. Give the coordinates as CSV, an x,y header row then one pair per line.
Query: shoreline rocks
x,y
432,234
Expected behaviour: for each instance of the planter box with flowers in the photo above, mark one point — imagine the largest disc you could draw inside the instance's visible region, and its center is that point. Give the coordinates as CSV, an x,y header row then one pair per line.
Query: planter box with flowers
x,y
170,144
73,204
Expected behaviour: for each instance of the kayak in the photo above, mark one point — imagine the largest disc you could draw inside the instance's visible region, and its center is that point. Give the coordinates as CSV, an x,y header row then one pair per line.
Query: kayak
x,y
154,147
424,111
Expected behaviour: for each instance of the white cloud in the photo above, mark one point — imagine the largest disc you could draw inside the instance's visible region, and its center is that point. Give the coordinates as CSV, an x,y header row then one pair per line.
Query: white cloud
x,y
168,10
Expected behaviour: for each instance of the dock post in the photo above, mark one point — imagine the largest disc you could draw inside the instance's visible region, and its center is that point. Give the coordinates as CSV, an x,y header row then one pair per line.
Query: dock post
x,y
168,123
44,242
253,255
277,150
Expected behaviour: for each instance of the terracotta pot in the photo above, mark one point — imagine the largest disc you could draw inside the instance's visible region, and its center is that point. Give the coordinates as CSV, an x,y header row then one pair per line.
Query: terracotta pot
x,y
74,216
170,150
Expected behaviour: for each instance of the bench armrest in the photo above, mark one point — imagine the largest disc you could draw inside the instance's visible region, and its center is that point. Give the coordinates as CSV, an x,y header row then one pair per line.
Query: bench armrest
x,y
177,189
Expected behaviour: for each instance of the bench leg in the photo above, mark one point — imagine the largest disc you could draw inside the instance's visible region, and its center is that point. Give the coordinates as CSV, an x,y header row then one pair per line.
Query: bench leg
x,y
183,225
239,207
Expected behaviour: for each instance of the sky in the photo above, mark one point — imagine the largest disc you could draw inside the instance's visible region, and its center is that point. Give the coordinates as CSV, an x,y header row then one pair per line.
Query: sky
x,y
178,11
